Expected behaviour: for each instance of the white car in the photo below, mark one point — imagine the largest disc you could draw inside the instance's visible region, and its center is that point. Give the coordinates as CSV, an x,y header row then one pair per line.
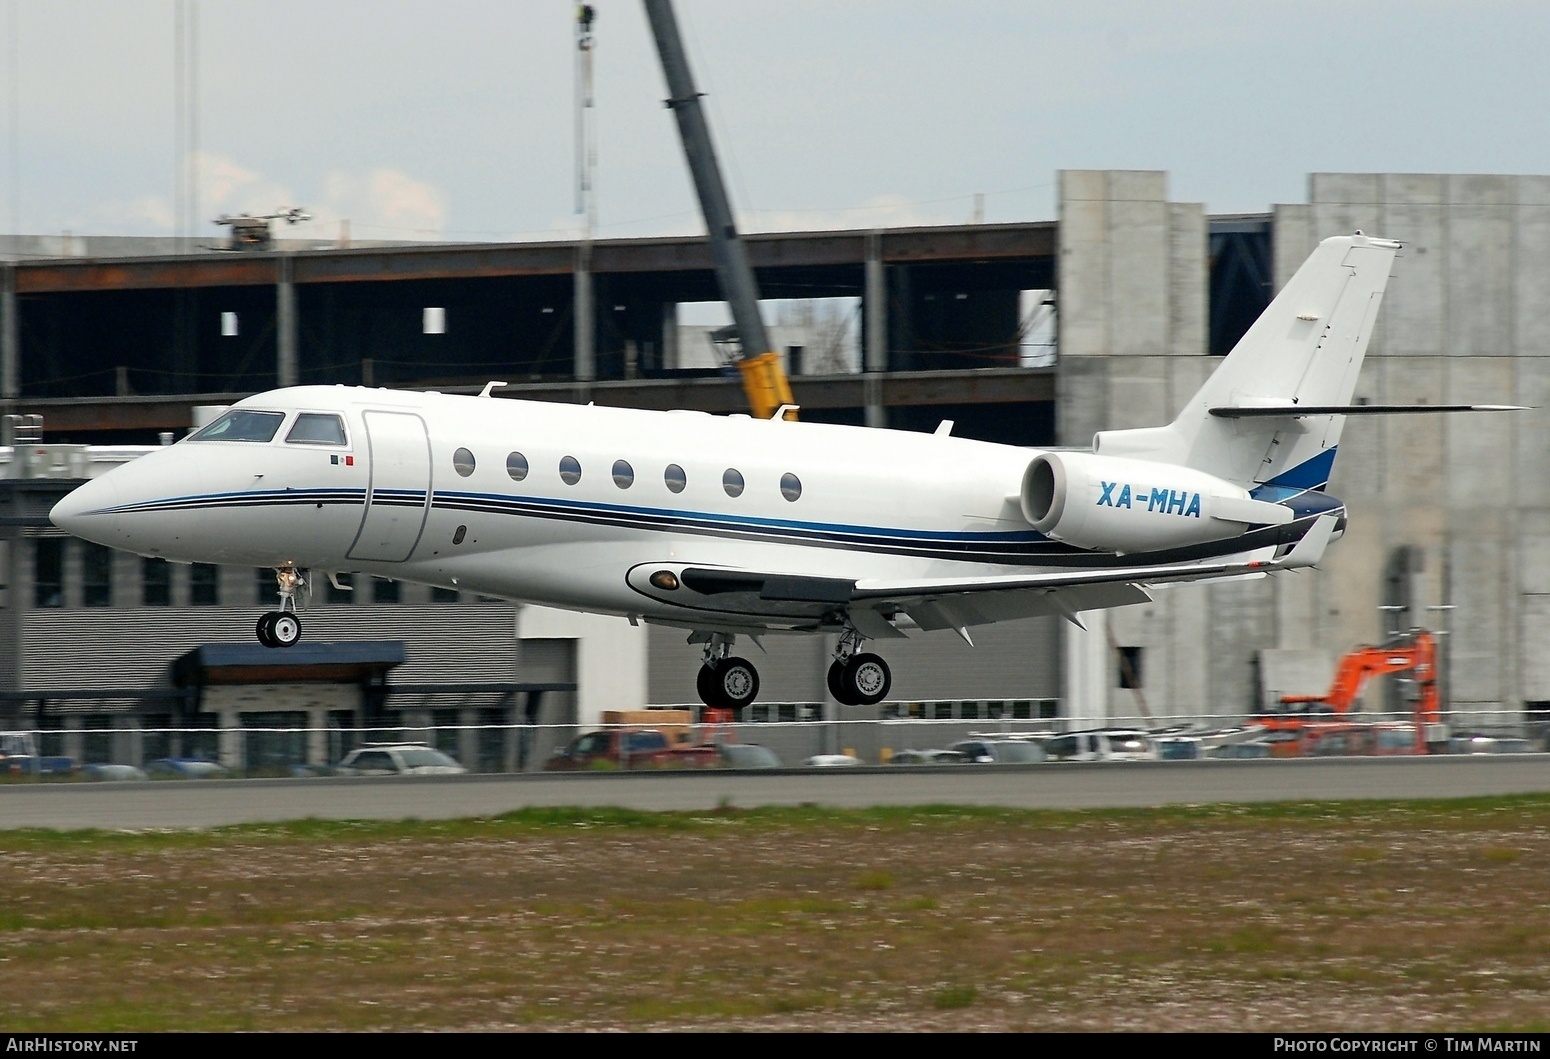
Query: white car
x,y
398,759
830,761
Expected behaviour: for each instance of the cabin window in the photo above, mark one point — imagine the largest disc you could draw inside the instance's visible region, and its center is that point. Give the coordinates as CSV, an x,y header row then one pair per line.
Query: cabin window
x,y
463,462
316,428
242,424
675,478
570,470
790,486
732,481
624,474
516,466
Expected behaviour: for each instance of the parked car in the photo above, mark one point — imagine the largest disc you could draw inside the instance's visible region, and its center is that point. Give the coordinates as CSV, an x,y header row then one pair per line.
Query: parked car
x,y
1481,743
398,759
633,748
926,757
19,757
746,756
1111,744
112,772
1241,751
824,761
1000,751
186,768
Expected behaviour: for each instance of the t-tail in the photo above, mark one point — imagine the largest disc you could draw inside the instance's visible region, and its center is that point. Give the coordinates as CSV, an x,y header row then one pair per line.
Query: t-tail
x,y
1269,418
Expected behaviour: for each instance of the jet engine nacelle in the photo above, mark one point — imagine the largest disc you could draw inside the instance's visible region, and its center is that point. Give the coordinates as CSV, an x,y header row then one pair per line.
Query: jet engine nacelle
x,y
1110,503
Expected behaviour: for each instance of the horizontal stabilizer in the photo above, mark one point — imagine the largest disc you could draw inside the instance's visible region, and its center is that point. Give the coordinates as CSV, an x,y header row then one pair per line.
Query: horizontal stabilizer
x,y
1290,411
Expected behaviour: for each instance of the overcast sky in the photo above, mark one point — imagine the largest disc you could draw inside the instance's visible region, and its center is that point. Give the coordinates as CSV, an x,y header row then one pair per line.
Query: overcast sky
x,y
453,119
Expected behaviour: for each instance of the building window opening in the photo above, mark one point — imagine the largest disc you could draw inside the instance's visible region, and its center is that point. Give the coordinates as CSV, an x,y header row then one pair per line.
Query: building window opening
x,y
268,586
156,583
338,594
96,575
203,585
1130,667
48,572
384,590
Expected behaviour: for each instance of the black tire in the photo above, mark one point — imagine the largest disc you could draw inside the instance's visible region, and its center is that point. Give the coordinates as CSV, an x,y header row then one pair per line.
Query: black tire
x,y
705,685
867,679
737,682
837,684
264,636
284,628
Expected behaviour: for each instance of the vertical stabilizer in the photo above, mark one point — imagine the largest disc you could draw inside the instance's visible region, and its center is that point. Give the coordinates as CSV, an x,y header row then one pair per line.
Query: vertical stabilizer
x,y
1306,348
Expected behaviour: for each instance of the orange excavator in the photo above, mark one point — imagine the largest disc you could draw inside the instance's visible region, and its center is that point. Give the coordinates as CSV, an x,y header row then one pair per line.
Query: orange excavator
x,y
1414,652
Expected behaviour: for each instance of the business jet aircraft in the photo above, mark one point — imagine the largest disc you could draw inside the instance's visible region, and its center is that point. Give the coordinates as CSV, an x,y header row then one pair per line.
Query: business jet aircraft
x,y
730,526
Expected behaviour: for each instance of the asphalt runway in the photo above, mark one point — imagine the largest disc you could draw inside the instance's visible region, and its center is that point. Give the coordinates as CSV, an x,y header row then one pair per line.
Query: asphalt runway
x,y
212,803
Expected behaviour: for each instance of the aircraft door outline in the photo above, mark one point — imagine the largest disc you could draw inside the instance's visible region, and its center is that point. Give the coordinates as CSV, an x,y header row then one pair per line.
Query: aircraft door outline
x,y
398,489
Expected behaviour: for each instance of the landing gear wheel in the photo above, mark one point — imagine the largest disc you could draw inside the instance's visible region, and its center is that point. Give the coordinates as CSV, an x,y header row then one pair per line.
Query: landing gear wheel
x,y
279,628
736,682
866,679
837,684
284,628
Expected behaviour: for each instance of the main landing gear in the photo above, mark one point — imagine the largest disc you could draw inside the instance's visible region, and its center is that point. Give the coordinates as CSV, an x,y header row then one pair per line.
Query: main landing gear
x,y
725,681
856,677
282,628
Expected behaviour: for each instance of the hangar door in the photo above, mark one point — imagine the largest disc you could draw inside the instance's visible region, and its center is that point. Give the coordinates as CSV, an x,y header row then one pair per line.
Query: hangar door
x,y
398,460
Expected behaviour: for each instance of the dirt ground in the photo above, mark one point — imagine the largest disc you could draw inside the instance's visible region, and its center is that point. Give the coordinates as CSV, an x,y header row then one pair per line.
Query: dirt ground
x,y
1330,917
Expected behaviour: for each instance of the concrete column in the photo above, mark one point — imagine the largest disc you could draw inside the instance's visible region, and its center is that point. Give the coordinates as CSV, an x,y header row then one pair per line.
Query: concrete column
x,y
10,336
75,742
468,739
128,744
669,357
233,743
317,735
876,304
1086,671
585,354
285,323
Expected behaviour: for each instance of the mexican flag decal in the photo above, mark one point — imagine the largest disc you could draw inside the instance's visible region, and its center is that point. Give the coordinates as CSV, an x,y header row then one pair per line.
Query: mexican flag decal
x,y
348,461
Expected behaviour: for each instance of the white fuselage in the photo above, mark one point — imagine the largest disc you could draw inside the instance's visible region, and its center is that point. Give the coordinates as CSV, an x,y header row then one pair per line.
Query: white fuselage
x,y
871,503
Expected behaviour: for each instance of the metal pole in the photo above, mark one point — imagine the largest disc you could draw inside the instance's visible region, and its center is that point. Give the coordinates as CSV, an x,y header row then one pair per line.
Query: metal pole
x,y
733,271
10,335
285,323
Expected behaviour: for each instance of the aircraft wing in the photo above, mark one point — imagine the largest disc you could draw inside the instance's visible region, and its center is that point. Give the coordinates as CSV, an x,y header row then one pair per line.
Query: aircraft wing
x,y
956,603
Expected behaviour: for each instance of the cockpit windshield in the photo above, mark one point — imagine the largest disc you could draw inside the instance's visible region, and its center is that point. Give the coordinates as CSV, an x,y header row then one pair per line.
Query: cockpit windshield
x,y
242,424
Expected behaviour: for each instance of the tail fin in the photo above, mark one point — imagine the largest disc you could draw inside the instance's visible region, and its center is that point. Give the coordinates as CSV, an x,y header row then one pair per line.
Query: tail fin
x,y
1305,349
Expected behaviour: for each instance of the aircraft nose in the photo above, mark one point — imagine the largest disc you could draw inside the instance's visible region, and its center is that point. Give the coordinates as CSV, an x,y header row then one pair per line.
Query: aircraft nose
x,y
88,512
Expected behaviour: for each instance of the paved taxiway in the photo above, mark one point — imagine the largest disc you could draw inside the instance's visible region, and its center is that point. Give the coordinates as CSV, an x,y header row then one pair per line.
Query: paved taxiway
x,y
211,803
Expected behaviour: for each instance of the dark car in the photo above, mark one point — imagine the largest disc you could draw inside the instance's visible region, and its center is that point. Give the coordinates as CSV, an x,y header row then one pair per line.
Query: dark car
x,y
186,768
1000,751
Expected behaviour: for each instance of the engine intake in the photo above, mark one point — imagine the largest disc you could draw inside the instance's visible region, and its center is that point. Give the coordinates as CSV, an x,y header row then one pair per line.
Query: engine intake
x,y
1109,503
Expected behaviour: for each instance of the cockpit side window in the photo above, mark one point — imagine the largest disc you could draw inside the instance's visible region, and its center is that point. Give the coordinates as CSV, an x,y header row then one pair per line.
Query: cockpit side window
x,y
317,428
242,424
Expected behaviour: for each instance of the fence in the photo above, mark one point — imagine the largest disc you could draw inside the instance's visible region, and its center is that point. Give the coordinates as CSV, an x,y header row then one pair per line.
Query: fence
x,y
795,732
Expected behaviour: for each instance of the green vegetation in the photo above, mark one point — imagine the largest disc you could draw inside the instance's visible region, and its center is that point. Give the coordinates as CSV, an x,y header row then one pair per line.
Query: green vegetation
x,y
1317,916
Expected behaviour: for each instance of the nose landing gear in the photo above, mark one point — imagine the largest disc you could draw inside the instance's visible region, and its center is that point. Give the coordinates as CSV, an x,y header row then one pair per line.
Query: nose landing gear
x,y
282,628
856,677
724,680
